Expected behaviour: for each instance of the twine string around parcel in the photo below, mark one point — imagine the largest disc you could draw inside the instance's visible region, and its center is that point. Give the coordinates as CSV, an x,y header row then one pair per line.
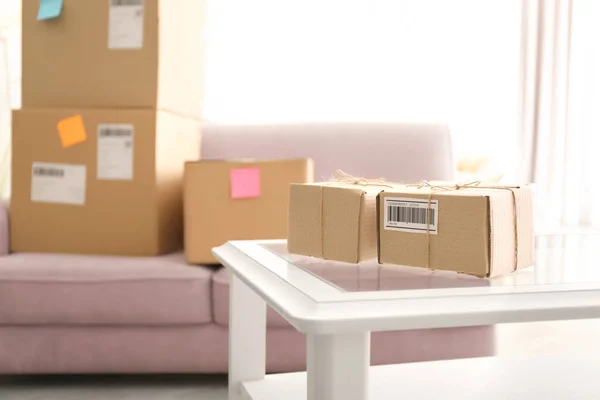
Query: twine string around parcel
x,y
343,177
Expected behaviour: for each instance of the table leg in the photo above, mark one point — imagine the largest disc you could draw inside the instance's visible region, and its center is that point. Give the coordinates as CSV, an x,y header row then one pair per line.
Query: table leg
x,y
338,366
247,336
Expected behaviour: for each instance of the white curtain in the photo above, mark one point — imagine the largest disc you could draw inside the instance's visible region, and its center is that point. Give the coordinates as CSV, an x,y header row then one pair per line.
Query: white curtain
x,y
562,129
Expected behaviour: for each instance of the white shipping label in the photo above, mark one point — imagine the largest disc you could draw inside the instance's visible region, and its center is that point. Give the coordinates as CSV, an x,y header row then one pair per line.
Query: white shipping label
x,y
126,24
58,183
410,215
115,151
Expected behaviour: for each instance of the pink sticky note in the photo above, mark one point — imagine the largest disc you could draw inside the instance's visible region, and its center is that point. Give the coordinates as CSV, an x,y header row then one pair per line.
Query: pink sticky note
x,y
245,183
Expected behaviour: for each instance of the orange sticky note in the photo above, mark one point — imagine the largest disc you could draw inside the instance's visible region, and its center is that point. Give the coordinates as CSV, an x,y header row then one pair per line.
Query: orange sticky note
x,y
71,131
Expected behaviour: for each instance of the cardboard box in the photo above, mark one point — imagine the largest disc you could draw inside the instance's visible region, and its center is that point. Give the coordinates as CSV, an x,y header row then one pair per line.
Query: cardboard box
x,y
471,230
333,221
116,188
115,53
237,200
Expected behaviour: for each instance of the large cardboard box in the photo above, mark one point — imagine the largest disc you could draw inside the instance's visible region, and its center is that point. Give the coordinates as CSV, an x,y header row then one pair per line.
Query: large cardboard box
x,y
115,53
475,230
333,221
237,200
99,181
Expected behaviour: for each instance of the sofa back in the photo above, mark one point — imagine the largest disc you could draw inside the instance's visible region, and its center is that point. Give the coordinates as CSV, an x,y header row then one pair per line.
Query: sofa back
x,y
398,152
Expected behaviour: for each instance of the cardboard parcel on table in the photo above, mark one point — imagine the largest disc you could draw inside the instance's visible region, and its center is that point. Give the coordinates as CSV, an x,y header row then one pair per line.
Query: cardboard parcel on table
x,y
335,220
473,229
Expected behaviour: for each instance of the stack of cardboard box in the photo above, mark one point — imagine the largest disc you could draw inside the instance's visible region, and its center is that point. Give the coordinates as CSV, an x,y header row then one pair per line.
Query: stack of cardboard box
x,y
112,95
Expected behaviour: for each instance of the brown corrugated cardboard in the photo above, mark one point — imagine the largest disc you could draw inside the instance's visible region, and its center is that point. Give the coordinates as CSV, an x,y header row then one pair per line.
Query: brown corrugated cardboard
x,y
117,192
217,211
471,231
114,53
334,221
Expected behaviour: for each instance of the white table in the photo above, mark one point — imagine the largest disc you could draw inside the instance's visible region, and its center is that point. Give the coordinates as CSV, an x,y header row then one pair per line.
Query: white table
x,y
338,314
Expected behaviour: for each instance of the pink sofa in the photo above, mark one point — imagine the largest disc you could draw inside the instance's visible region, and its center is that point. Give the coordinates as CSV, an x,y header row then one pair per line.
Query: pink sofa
x,y
86,314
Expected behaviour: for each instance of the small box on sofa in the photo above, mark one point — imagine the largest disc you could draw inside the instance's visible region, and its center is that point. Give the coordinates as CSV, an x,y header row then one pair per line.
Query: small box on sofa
x,y
237,200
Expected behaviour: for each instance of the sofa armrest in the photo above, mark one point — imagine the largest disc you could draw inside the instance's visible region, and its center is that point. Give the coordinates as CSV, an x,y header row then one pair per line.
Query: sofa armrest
x,y
4,228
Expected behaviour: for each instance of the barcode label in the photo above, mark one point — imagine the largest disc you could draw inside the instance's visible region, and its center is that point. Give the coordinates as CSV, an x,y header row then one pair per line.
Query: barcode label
x,y
410,215
115,152
126,2
51,172
58,183
126,24
116,130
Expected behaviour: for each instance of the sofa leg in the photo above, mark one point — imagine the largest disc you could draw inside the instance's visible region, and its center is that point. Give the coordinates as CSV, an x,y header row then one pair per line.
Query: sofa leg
x,y
338,366
247,337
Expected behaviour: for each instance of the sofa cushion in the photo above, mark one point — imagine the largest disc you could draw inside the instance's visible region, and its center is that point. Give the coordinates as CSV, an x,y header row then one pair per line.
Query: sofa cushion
x,y
220,293
102,290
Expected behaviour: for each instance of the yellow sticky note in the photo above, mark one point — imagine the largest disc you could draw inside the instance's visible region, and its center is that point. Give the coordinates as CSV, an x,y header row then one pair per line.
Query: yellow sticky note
x,y
71,131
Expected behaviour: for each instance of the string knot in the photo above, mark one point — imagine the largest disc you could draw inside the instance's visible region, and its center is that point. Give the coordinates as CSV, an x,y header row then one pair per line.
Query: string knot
x,y
343,177
447,187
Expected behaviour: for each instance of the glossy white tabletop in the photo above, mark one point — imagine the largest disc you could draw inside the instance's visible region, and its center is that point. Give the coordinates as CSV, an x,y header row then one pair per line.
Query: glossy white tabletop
x,y
325,296
563,262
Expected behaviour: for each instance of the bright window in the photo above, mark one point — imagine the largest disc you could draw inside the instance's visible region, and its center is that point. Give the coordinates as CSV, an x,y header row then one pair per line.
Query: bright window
x,y
454,61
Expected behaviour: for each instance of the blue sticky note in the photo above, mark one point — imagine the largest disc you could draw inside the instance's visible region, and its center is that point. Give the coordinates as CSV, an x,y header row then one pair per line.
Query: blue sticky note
x,y
49,9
